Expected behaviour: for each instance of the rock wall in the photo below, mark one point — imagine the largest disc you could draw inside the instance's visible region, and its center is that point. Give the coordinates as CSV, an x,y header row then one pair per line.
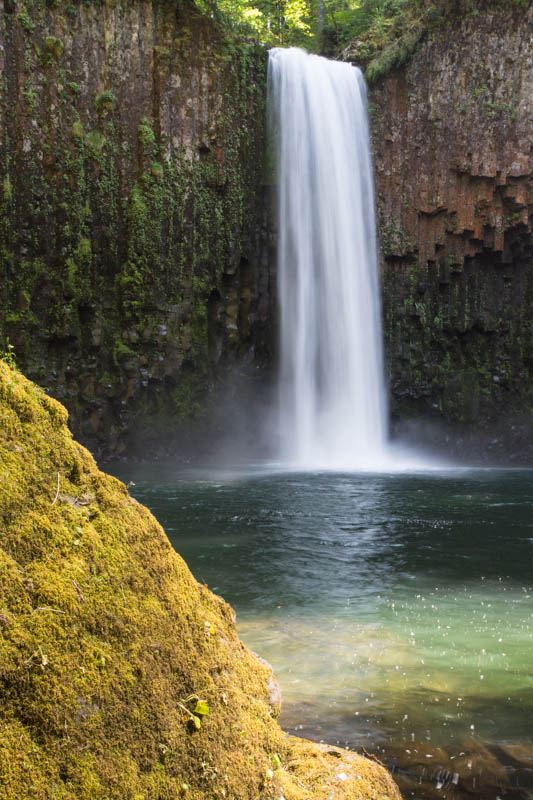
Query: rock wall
x,y
134,261
453,153
137,258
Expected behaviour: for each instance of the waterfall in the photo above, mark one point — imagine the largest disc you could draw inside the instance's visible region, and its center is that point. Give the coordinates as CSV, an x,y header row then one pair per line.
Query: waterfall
x,y
333,406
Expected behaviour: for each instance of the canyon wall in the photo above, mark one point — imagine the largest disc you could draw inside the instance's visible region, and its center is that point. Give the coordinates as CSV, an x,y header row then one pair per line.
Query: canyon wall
x,y
137,258
453,145
134,259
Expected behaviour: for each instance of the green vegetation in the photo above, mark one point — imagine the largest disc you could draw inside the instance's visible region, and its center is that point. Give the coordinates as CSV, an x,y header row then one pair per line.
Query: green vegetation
x,y
325,26
121,677
8,356
395,29
441,325
380,34
105,102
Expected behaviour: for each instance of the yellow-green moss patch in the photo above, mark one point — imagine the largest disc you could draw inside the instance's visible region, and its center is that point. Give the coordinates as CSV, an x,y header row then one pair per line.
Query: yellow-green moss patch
x,y
109,648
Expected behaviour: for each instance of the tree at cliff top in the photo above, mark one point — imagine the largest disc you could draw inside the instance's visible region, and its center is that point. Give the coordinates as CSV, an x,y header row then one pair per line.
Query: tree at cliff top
x,y
318,25
389,35
121,677
362,28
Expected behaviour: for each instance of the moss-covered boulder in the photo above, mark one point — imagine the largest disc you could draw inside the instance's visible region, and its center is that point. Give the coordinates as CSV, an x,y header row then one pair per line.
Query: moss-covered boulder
x,y
120,675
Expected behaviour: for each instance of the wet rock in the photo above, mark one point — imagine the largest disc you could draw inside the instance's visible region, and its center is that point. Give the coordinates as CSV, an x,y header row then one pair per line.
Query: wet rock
x,y
273,687
274,694
426,787
480,772
415,754
521,754
422,770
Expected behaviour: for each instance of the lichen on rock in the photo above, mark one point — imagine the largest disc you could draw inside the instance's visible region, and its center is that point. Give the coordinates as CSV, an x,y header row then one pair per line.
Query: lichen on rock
x,y
108,647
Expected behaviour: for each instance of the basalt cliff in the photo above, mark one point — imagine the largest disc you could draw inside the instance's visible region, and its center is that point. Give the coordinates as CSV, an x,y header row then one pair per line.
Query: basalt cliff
x,y
134,259
138,250
453,164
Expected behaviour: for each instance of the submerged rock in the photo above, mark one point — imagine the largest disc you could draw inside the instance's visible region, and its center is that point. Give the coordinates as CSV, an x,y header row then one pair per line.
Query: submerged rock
x,y
520,754
121,676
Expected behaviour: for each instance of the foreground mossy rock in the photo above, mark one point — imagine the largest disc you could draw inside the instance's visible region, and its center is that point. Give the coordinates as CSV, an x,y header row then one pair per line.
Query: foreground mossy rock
x,y
121,676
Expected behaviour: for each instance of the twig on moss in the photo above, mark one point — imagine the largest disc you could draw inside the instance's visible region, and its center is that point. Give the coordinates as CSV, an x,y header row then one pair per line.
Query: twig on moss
x,y
82,596
48,608
371,757
57,493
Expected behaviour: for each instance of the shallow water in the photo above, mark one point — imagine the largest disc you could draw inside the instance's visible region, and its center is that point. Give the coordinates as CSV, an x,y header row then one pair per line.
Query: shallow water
x,y
396,610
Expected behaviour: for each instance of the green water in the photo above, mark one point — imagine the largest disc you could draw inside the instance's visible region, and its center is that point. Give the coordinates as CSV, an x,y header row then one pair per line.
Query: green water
x,y
396,610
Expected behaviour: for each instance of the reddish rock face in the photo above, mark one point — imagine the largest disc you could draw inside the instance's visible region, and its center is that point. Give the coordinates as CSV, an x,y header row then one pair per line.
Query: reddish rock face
x,y
453,141
453,155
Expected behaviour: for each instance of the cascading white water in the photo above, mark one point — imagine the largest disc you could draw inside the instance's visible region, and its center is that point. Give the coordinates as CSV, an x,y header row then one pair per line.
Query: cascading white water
x,y
333,402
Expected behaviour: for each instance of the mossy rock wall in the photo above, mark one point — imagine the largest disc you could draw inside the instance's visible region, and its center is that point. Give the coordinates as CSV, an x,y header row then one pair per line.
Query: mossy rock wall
x,y
133,262
452,143
109,648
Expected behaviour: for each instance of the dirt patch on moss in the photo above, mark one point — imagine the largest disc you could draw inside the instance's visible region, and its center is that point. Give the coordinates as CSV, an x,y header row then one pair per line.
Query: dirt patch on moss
x,y
111,653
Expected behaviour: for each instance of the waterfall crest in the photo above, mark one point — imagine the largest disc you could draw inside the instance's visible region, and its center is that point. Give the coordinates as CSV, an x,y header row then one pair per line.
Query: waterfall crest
x,y
333,406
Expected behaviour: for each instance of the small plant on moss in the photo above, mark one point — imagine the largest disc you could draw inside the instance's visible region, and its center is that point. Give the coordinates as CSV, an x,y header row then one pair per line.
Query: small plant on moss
x,y
275,760
208,772
8,355
201,709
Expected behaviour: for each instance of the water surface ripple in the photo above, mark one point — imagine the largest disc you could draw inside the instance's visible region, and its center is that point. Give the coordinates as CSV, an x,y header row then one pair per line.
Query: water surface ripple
x,y
396,610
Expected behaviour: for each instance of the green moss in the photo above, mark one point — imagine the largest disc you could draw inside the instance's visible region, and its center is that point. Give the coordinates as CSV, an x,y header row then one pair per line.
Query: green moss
x,y
157,170
146,135
77,130
95,143
105,634
51,51
105,102
26,21
394,36
121,351
457,342
7,189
